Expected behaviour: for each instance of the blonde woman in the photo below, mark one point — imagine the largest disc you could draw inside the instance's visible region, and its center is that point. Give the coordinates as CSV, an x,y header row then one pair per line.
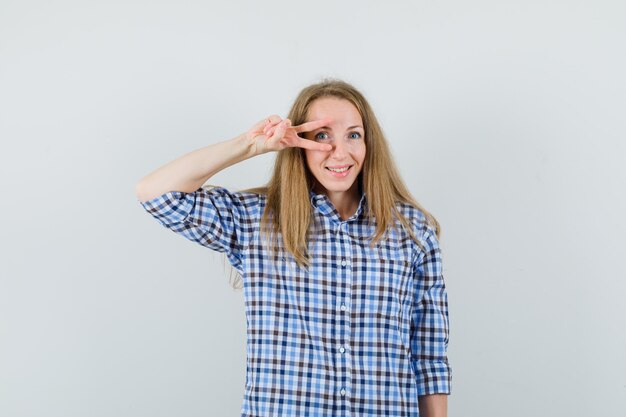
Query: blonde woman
x,y
345,300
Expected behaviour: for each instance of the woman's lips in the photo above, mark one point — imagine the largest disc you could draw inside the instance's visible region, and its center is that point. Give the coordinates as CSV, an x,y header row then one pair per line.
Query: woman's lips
x,y
339,174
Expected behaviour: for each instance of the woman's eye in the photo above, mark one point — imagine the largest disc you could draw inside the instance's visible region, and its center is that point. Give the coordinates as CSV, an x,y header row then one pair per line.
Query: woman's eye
x,y
321,133
358,135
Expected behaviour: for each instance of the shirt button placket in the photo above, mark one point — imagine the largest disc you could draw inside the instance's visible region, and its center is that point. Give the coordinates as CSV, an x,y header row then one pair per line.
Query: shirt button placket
x,y
345,272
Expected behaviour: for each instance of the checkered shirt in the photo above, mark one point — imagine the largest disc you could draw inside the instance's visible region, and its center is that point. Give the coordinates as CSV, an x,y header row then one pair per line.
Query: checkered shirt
x,y
362,332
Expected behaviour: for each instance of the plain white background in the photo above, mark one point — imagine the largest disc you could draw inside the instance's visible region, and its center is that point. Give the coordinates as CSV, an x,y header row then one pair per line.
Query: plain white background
x,y
506,119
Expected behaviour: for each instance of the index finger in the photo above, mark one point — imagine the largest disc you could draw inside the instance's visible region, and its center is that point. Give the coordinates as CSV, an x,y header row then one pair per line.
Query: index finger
x,y
313,145
308,126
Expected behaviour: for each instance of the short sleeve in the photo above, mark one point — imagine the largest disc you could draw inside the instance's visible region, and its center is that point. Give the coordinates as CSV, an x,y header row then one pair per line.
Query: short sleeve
x,y
429,320
216,218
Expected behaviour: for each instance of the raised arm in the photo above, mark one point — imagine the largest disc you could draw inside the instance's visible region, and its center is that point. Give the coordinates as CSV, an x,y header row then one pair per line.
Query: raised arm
x,y
190,171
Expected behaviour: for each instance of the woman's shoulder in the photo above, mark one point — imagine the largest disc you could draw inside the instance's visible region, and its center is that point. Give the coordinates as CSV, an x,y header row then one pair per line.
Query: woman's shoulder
x,y
417,218
413,213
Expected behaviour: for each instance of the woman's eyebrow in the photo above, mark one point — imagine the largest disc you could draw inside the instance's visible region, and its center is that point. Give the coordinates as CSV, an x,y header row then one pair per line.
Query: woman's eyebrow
x,y
329,128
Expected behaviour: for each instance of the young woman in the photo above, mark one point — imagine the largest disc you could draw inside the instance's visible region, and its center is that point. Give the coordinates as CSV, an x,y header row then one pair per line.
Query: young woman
x,y
346,304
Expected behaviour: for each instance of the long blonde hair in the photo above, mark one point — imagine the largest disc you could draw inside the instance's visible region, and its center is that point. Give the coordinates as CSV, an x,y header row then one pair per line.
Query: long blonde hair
x,y
288,211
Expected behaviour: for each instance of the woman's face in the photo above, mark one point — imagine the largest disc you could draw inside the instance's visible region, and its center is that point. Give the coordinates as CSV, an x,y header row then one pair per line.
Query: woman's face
x,y
346,135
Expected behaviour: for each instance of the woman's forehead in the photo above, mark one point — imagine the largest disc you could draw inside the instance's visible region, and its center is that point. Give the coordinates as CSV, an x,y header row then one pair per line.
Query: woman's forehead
x,y
341,111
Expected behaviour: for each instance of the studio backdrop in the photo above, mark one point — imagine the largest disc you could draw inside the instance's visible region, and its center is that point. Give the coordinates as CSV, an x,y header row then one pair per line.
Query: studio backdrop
x,y
506,119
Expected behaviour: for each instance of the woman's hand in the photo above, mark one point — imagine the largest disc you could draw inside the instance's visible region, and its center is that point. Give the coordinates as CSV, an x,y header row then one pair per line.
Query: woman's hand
x,y
275,134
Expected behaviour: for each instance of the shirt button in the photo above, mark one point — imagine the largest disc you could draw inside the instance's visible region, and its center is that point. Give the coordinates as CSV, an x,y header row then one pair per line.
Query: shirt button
x,y
342,349
342,392
343,262
343,307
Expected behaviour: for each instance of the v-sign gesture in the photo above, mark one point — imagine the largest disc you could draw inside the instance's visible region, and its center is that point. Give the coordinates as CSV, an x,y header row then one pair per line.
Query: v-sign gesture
x,y
275,134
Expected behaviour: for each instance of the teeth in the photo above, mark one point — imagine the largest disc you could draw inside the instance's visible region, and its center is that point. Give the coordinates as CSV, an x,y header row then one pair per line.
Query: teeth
x,y
340,169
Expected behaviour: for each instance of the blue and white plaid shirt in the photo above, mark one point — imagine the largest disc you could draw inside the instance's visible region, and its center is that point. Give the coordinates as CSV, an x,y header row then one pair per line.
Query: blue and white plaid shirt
x,y
362,332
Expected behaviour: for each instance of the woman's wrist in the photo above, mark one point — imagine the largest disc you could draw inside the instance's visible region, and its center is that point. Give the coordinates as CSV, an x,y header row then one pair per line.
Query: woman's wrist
x,y
253,146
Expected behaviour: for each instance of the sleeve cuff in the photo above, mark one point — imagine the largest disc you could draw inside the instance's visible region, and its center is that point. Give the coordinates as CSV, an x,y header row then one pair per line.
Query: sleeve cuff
x,y
433,377
171,207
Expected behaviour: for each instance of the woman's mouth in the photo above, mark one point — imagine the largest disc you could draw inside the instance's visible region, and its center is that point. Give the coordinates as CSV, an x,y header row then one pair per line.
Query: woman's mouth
x,y
339,172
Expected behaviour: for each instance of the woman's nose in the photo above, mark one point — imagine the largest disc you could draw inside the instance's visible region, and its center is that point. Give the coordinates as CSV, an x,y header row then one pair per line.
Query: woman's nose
x,y
339,149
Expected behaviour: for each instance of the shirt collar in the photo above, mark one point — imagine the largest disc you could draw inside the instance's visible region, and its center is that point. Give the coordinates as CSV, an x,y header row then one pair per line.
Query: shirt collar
x,y
323,203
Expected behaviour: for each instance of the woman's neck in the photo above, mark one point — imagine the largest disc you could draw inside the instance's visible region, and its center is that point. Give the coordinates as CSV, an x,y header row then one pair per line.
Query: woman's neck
x,y
345,202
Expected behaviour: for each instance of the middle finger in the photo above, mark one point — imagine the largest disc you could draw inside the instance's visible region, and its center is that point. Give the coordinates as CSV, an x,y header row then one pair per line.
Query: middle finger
x,y
308,126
